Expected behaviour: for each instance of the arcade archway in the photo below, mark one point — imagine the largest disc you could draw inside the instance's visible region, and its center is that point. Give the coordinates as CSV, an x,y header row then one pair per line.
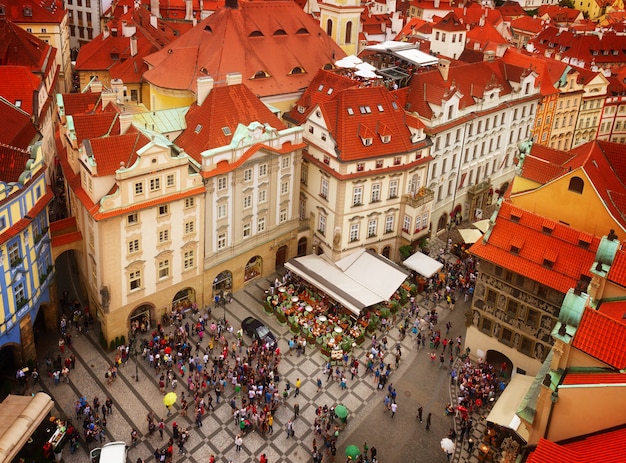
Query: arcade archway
x,y
302,245
253,268
184,298
223,283
500,362
443,221
140,319
387,252
281,256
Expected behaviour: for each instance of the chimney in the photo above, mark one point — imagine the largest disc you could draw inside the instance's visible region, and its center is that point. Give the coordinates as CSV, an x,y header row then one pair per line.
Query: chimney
x,y
188,10
125,9
105,33
133,45
126,119
205,85
436,3
106,98
233,78
96,86
154,21
481,21
232,4
117,85
444,68
154,8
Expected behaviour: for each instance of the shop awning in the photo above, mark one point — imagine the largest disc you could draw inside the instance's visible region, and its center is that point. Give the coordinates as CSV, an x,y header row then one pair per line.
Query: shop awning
x,y
423,264
357,281
504,411
482,225
19,418
470,235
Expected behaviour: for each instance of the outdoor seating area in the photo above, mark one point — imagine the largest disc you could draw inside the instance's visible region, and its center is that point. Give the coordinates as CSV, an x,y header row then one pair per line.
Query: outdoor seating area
x,y
324,322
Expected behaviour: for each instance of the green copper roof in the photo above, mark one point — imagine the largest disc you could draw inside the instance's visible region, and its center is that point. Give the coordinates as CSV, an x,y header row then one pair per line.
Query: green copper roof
x,y
572,308
604,256
528,407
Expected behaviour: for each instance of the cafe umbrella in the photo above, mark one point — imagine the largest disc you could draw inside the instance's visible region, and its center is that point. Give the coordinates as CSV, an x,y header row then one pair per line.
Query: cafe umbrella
x,y
353,451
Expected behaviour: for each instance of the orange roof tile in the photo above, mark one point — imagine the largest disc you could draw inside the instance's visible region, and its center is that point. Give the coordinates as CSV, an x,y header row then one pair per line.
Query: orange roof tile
x,y
17,83
16,129
78,103
41,11
226,106
109,152
449,23
20,48
602,447
617,273
245,40
602,337
95,125
12,163
594,378
374,110
571,261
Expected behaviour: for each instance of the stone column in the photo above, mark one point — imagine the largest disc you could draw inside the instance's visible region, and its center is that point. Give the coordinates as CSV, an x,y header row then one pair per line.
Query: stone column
x,y
28,351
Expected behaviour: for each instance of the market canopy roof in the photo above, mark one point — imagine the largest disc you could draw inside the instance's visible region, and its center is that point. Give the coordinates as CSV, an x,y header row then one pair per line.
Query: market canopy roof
x,y
504,411
423,264
406,51
359,280
470,235
482,225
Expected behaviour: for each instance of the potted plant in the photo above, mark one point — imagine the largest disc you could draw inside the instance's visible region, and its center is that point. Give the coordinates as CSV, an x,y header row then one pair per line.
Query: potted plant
x,y
295,327
280,317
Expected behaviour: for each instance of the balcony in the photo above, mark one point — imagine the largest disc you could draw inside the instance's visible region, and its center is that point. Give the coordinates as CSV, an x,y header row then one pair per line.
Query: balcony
x,y
421,197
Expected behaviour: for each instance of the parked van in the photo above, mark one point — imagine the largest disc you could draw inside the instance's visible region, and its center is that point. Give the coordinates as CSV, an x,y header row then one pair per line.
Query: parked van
x,y
113,452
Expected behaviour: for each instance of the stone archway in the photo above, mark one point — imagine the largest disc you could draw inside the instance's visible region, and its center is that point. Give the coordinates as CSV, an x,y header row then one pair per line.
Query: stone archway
x,y
501,363
223,283
387,252
184,298
302,246
281,256
141,319
443,222
10,360
253,268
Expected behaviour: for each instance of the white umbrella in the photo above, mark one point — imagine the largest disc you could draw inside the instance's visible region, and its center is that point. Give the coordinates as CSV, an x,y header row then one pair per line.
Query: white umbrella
x,y
470,235
447,445
365,66
354,59
367,74
344,63
482,225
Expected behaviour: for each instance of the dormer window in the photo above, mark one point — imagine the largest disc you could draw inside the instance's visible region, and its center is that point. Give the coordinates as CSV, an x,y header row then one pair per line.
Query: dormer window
x,y
260,75
2,13
367,141
515,250
302,30
255,34
28,11
297,70
350,111
301,109
115,56
548,263
385,138
280,32
360,166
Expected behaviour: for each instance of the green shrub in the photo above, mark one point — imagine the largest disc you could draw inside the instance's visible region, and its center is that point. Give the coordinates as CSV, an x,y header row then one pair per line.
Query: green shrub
x,y
112,346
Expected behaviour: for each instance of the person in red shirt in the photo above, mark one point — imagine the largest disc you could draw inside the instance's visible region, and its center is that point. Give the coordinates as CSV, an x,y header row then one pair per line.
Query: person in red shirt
x,y
263,459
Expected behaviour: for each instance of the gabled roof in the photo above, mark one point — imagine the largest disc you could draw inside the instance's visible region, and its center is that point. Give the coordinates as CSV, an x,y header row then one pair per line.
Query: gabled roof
x,y
617,272
414,27
486,37
550,71
96,125
112,151
244,40
528,24
213,124
323,88
79,103
449,23
602,337
359,113
602,447
511,9
17,83
34,11
474,13
560,14
16,128
470,79
12,163
518,242
544,164
19,48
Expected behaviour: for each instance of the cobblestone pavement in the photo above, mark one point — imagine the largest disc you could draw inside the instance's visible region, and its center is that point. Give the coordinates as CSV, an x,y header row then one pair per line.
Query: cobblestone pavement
x,y
402,438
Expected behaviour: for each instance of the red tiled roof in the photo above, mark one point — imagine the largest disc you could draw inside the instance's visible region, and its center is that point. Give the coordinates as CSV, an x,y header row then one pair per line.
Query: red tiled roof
x,y
487,37
323,88
571,262
25,221
602,447
79,103
374,110
549,70
19,48
16,129
412,27
109,152
225,106
602,337
245,40
473,14
511,9
41,11
614,309
559,14
594,378
95,125
449,23
12,163
617,273
528,24
18,83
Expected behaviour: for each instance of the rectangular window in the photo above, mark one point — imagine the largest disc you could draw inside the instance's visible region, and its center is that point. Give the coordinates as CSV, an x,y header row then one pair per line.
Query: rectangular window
x,y
357,196
261,224
324,188
511,308
164,210
262,196
155,184
322,224
20,296
376,192
304,174
190,202
393,189
221,183
284,188
14,254
164,236
285,162
221,241
132,219
371,228
389,224
486,326
188,259
169,180
282,217
354,232
189,227
221,211
247,230
406,225
526,346
247,201
133,246
262,170
164,268
532,318
139,188
506,336
135,280
247,175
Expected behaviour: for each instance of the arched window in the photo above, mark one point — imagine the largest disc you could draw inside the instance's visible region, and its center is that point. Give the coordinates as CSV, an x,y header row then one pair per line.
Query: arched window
x,y
329,27
576,185
349,32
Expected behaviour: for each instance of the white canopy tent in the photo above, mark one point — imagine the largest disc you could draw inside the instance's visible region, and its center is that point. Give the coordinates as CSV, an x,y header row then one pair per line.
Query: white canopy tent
x,y
357,281
482,225
423,264
406,51
504,411
470,235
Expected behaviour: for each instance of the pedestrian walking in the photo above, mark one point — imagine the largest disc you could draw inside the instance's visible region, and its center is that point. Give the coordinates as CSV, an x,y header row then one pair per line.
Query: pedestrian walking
x,y
470,445
394,409
296,410
297,387
420,410
428,421
290,432
433,357
319,384
238,442
161,428
134,437
442,359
